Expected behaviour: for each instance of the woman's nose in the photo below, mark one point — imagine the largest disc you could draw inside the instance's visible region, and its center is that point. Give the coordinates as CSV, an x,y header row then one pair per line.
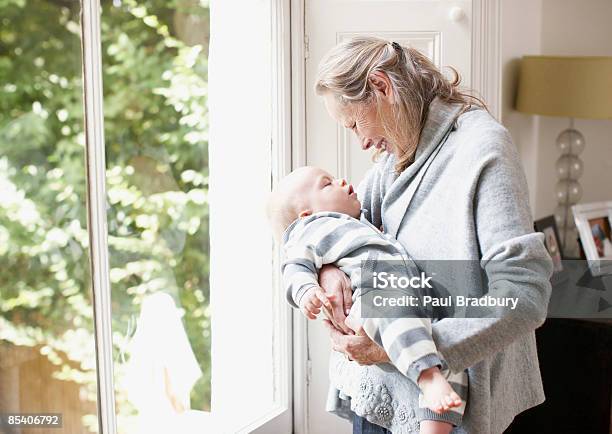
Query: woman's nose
x,y
342,182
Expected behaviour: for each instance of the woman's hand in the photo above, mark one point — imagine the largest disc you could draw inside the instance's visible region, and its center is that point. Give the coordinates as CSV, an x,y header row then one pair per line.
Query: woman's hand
x,y
359,348
337,288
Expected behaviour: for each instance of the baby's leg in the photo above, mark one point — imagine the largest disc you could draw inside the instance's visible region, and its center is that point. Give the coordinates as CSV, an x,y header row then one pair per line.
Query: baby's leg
x,y
407,341
411,349
435,427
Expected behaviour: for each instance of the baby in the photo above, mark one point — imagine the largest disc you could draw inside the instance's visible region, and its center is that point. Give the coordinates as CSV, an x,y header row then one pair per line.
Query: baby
x,y
319,220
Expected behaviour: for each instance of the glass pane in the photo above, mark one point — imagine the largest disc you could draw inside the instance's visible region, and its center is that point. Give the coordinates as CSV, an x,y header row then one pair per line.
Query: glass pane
x,y
47,353
155,93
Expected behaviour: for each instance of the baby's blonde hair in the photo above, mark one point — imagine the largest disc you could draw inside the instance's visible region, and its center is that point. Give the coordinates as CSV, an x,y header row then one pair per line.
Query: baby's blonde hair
x,y
282,206
281,212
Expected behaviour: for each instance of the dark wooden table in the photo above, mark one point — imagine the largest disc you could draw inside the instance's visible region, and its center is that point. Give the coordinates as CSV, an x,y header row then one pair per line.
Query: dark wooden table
x,y
576,362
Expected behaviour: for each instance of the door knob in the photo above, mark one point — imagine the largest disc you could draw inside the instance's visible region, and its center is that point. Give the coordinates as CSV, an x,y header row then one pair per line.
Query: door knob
x,y
456,14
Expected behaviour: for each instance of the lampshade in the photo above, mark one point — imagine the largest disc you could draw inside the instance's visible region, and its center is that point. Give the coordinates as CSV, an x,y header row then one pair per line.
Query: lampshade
x,y
574,87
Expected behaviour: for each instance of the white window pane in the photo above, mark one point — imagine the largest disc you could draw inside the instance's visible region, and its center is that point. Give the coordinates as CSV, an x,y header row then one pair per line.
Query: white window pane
x,y
248,378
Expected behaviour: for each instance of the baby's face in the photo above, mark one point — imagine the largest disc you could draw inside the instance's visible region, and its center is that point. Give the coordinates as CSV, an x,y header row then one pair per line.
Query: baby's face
x,y
319,191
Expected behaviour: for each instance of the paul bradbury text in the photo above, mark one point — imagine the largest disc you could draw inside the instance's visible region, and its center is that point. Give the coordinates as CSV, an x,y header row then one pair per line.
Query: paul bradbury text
x,y
448,301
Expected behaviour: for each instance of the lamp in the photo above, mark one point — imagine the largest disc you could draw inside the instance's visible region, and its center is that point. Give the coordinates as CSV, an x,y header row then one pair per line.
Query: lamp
x,y
572,87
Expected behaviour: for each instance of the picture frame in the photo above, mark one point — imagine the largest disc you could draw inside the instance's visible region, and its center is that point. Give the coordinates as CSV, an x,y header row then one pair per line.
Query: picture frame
x,y
548,226
594,224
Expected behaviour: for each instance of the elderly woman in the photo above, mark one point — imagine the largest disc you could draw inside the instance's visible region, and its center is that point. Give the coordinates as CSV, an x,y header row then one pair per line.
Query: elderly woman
x,y
449,185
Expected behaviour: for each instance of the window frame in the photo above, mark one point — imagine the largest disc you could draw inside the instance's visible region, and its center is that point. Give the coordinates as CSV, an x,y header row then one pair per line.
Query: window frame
x,y
301,359
282,416
97,227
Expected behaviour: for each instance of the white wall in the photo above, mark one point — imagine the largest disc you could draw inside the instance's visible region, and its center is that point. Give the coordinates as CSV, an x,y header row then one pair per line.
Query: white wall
x,y
556,27
521,22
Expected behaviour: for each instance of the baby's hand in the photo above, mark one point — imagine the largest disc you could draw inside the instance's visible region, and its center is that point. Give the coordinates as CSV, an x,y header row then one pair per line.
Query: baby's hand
x,y
312,302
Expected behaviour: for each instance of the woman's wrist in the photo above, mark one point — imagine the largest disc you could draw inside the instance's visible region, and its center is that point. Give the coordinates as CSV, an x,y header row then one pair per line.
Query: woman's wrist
x,y
337,288
383,356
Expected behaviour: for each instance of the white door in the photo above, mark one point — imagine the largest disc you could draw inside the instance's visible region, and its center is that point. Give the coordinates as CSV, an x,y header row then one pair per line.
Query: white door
x,y
439,28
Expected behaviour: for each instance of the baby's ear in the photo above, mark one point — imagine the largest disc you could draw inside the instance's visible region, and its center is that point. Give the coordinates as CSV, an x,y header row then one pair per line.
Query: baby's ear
x,y
305,213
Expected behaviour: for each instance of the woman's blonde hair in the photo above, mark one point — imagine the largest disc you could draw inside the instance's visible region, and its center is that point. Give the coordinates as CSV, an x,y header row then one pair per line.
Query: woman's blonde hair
x,y
415,82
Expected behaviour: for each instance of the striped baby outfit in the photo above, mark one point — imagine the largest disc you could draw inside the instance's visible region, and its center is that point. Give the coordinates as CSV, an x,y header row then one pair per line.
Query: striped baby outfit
x,y
339,239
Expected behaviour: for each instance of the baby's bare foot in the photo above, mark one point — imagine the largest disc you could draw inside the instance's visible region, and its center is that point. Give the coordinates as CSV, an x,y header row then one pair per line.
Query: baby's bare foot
x,y
438,394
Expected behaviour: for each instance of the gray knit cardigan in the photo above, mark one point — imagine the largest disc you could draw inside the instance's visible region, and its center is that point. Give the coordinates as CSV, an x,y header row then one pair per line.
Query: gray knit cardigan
x,y
464,198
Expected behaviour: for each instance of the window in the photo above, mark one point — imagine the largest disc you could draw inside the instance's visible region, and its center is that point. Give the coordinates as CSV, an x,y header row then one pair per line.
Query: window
x,y
191,330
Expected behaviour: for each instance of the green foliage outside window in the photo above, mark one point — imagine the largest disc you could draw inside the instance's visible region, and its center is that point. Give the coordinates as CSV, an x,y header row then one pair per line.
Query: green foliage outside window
x,y
155,96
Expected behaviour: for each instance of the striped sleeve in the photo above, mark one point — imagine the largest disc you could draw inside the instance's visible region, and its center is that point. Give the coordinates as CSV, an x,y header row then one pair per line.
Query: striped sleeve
x,y
298,278
315,241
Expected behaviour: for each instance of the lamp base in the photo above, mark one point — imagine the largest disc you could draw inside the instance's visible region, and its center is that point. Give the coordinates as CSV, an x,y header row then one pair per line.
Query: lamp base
x,y
569,168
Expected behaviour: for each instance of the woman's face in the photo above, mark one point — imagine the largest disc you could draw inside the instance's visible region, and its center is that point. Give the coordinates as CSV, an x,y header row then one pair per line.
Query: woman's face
x,y
362,119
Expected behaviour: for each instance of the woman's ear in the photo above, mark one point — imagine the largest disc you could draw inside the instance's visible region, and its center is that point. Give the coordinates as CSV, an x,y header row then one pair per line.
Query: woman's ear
x,y
381,83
